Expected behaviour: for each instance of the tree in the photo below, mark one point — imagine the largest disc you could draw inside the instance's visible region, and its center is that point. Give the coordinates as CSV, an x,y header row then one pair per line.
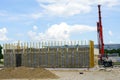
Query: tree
x,y
112,51
106,51
118,51
1,55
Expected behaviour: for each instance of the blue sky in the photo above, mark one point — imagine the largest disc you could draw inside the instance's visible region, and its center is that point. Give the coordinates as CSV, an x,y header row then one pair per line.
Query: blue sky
x,y
43,20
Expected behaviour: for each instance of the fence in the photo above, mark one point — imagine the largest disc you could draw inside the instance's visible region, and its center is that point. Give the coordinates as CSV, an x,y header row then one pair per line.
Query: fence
x,y
50,54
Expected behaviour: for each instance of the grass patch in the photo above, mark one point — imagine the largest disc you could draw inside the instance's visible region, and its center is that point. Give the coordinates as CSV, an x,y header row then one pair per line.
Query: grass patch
x,y
1,62
116,63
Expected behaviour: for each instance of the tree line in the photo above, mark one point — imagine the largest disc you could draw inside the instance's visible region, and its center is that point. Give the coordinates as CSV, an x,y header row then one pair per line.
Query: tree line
x,y
111,51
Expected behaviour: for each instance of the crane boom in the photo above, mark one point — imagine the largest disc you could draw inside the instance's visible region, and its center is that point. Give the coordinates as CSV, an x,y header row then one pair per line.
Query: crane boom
x,y
100,33
103,58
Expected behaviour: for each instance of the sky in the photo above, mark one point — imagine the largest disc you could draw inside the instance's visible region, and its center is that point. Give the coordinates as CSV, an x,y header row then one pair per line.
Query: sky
x,y
48,20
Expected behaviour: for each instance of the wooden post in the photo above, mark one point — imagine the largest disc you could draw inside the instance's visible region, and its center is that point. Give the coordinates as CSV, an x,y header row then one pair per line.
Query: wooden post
x,y
78,54
39,55
25,54
55,53
64,54
45,53
14,56
48,54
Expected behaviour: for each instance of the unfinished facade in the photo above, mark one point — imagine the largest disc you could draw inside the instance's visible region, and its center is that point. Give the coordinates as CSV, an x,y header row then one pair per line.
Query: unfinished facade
x,y
50,54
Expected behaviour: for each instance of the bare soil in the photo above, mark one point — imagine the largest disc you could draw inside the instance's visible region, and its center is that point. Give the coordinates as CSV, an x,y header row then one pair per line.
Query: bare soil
x,y
26,73
23,73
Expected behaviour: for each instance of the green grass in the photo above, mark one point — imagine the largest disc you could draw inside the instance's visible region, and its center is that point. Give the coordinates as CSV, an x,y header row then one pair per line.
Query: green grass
x,y
1,62
116,63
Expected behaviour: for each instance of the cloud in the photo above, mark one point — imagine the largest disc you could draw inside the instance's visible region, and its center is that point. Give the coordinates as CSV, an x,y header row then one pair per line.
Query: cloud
x,y
109,3
110,33
61,31
16,42
110,42
64,7
72,7
3,36
3,13
18,17
34,15
60,8
20,34
32,34
82,28
25,16
35,27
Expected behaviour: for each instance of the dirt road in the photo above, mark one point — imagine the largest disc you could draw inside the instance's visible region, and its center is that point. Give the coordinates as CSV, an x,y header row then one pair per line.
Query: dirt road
x,y
74,74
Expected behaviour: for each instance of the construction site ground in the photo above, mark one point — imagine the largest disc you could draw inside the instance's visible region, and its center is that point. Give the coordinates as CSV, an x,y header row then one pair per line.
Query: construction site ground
x,y
61,74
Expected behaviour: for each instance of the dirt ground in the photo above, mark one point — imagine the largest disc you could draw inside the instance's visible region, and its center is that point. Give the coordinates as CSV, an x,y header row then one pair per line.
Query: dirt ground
x,y
66,74
93,74
26,73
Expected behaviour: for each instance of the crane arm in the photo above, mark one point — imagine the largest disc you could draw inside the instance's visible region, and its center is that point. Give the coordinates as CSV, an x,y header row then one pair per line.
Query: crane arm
x,y
100,33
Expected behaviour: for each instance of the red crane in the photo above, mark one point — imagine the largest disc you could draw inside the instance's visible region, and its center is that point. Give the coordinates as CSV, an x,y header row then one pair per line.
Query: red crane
x,y
105,62
100,34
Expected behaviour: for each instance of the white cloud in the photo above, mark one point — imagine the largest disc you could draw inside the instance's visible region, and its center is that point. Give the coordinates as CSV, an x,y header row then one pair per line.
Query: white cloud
x,y
65,7
16,42
59,8
110,42
35,15
109,3
82,28
110,33
17,17
20,34
72,7
32,34
35,27
3,36
60,31
3,13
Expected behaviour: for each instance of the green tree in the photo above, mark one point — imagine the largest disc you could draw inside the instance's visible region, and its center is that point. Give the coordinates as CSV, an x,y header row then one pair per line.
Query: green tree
x,y
112,51
118,51
1,55
106,51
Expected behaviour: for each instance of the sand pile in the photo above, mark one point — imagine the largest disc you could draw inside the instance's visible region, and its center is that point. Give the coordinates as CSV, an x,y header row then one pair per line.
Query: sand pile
x,y
25,73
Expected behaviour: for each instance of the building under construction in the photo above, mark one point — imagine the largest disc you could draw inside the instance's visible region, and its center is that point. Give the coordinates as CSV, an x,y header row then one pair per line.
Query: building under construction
x,y
77,54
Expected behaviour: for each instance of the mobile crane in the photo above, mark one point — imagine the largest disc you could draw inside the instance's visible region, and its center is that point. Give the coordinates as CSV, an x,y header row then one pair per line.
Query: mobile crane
x,y
103,58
